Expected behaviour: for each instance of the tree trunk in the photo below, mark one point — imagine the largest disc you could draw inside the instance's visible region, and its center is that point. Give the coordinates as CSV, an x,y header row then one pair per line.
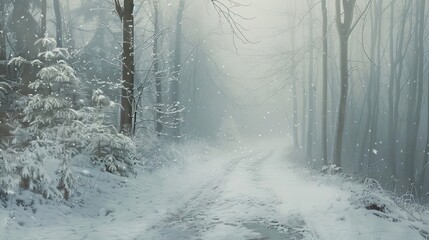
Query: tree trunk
x,y
344,29
58,23
378,12
324,83
3,53
344,88
391,132
311,109
69,38
127,96
294,90
157,70
421,170
43,23
26,30
370,128
414,104
304,108
295,114
425,163
399,66
175,88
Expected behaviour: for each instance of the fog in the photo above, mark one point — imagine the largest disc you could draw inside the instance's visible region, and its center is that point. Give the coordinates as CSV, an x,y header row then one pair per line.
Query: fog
x,y
154,88
256,67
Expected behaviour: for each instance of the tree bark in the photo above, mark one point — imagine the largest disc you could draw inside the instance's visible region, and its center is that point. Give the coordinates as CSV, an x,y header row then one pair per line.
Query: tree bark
x,y
26,30
344,30
294,90
311,110
391,132
344,88
415,93
3,53
295,114
43,23
157,71
324,83
378,12
175,85
127,95
370,128
58,23
420,83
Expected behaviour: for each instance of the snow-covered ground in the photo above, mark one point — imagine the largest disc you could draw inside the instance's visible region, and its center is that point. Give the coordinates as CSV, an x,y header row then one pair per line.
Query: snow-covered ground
x,y
251,192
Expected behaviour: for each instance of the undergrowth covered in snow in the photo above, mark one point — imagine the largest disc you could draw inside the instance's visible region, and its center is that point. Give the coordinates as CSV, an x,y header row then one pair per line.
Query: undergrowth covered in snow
x,y
368,195
192,190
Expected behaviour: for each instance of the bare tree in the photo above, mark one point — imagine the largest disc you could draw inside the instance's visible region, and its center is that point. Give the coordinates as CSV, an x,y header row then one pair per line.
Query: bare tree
x,y
224,11
125,13
344,20
415,98
370,125
324,82
311,87
397,54
293,83
157,69
175,84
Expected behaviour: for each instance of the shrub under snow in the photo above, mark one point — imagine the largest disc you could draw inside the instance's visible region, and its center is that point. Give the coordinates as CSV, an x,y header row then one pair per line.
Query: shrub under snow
x,y
55,128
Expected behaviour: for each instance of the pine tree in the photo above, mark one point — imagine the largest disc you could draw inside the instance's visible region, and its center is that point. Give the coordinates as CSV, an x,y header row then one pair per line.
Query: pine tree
x,y
108,147
56,127
50,131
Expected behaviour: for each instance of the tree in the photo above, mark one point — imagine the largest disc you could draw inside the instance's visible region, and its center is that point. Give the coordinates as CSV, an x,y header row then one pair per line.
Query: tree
x,y
56,127
344,20
58,22
113,150
157,69
415,98
397,54
324,82
48,132
311,109
3,54
26,31
44,17
177,66
425,162
294,90
370,126
126,15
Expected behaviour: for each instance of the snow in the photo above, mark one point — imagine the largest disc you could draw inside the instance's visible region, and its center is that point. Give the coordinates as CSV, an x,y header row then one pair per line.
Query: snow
x,y
255,191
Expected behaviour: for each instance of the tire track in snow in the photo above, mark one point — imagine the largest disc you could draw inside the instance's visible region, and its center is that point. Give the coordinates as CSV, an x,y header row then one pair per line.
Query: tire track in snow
x,y
188,222
270,226
193,218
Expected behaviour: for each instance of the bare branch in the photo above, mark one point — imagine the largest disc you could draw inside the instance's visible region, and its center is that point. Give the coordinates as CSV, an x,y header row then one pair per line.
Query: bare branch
x,y
119,9
225,11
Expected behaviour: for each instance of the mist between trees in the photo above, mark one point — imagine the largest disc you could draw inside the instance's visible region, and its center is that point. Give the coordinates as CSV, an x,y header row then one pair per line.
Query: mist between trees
x,y
361,102
347,80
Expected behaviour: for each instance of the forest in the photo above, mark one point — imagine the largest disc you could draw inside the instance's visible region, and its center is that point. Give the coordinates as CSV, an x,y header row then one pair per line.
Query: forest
x,y
214,119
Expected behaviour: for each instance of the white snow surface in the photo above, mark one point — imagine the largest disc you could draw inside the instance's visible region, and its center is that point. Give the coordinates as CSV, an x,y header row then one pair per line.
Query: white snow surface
x,y
254,191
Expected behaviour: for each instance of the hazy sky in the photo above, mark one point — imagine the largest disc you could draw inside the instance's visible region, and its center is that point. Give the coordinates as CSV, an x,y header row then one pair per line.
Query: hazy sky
x,y
251,78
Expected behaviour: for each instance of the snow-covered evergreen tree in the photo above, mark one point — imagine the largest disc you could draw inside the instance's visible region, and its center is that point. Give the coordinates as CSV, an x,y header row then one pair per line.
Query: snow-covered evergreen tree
x,y
108,147
55,128
50,132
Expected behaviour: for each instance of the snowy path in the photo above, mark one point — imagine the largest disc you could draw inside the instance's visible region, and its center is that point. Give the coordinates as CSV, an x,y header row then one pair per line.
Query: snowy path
x,y
207,215
253,194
